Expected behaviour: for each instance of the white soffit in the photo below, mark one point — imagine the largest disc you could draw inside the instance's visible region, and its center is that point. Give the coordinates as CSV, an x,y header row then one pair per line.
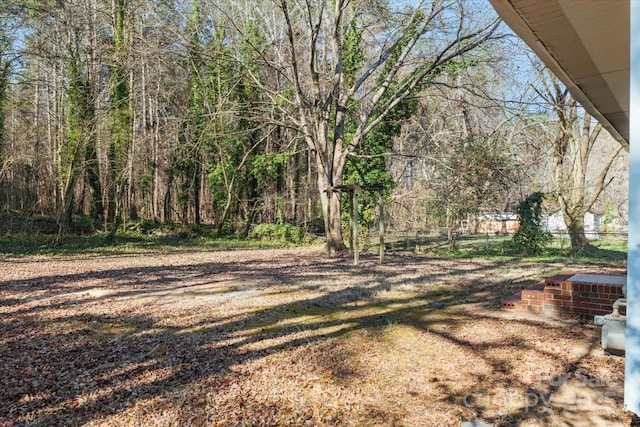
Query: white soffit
x,y
586,44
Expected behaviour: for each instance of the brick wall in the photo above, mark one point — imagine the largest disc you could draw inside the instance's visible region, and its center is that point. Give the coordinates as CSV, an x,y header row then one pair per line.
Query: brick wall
x,y
581,298
556,296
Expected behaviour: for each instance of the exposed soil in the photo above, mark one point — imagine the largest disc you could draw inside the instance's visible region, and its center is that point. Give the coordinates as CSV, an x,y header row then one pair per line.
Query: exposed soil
x,y
288,337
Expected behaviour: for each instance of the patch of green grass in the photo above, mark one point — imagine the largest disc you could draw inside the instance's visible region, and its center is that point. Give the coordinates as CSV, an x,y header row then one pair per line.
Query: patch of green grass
x,y
608,250
23,234
125,242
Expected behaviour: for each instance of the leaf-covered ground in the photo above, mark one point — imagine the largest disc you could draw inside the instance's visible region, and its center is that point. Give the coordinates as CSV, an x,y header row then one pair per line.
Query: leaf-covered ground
x,y
287,337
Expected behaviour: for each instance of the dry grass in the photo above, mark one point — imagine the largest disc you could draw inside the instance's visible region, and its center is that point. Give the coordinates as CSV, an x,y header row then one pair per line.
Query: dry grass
x,y
286,337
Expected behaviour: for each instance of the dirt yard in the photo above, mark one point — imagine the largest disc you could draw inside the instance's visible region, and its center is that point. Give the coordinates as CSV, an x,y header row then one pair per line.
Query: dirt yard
x,y
288,337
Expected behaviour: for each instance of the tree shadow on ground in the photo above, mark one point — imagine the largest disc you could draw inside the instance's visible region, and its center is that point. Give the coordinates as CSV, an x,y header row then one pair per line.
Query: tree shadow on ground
x,y
67,359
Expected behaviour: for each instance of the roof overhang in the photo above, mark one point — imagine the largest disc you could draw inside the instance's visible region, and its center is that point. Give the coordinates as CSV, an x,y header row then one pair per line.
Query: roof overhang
x,y
586,45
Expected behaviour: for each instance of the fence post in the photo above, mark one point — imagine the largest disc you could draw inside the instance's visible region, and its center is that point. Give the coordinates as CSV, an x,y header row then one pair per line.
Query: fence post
x,y
328,227
354,226
381,225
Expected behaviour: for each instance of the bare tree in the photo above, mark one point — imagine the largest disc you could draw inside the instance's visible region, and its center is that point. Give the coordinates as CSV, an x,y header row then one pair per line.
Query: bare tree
x,y
335,100
573,137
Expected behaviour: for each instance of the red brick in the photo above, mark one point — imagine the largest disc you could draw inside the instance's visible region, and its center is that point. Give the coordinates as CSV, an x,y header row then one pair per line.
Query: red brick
x,y
558,297
591,306
613,290
532,294
603,301
594,304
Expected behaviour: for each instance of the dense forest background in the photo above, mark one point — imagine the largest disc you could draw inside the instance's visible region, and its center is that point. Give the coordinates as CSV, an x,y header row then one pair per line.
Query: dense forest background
x,y
235,113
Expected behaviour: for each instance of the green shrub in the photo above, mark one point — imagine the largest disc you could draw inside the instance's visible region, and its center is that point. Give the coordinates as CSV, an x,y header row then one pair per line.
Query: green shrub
x,y
285,233
530,237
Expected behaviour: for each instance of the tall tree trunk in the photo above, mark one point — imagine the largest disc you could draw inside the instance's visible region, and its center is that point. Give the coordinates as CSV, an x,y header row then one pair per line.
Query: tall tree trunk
x,y
132,208
96,209
197,188
120,117
65,215
4,80
156,171
575,226
331,210
167,202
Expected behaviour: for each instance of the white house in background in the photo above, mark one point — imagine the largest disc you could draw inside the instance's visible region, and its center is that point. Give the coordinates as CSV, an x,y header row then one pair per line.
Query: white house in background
x,y
554,224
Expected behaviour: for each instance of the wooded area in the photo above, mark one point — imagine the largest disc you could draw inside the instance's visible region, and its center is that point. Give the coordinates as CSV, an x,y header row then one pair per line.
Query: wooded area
x,y
234,113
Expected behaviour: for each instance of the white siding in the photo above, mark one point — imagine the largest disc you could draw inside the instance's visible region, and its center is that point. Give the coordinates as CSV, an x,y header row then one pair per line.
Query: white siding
x,y
632,356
